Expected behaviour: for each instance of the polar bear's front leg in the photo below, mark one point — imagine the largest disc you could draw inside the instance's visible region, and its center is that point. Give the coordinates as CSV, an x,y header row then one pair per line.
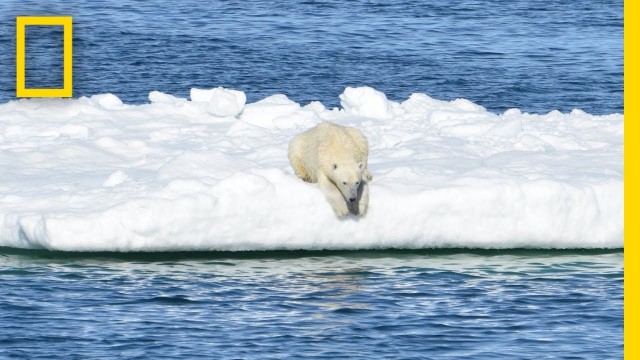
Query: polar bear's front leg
x,y
333,195
363,199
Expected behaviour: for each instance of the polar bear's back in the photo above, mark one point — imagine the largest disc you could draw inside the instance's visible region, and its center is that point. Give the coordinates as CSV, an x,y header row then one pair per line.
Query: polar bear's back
x,y
317,148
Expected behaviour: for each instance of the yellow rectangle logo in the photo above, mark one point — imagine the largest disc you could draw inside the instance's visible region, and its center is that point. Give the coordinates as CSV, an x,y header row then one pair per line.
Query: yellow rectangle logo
x,y
64,21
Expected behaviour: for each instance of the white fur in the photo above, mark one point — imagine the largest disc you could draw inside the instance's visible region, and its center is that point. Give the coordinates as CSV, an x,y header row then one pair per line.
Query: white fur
x,y
335,157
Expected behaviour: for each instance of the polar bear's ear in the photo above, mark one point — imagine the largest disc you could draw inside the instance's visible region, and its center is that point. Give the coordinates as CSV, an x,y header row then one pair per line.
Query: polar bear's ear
x,y
360,165
367,175
335,166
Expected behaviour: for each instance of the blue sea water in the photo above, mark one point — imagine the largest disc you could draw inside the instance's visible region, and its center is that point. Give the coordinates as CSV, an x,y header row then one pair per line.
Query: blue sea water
x,y
481,304
534,55
423,304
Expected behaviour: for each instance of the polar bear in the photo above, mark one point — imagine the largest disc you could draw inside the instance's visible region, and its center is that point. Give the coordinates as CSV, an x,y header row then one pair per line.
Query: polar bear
x,y
335,157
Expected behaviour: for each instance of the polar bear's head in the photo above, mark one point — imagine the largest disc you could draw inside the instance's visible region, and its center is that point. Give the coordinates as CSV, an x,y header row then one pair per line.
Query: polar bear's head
x,y
348,177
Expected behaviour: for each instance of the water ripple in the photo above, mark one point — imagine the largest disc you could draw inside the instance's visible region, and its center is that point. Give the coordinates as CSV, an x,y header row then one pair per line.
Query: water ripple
x,y
499,54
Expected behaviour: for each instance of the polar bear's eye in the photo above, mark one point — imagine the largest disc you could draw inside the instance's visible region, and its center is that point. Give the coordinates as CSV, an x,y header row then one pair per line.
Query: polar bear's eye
x,y
344,183
357,182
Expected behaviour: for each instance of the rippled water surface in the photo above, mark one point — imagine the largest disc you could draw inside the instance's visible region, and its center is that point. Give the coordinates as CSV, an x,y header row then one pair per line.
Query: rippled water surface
x,y
533,55
367,304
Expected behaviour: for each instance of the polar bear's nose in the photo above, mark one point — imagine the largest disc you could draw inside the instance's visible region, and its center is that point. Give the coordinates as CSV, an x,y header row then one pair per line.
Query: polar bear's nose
x,y
352,199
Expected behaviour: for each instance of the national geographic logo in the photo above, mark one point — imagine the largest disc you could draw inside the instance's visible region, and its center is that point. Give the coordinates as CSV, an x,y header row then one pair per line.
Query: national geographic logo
x,y
66,23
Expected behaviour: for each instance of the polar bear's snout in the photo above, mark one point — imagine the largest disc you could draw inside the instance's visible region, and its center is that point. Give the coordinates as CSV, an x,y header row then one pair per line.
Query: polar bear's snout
x,y
353,193
349,190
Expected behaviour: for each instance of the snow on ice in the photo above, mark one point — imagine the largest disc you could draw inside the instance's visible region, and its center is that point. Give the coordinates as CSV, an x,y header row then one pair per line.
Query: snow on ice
x,y
211,173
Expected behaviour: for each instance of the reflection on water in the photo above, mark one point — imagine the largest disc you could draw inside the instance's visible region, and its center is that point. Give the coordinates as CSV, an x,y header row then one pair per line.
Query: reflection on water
x,y
471,304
